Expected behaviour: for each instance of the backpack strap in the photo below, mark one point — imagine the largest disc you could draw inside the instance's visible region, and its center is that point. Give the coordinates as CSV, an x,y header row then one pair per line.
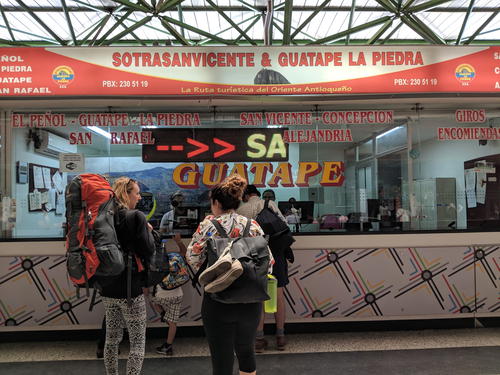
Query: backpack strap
x,y
222,232
266,203
246,231
196,276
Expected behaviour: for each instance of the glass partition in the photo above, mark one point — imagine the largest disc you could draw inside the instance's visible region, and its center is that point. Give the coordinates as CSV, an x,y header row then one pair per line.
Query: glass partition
x,y
361,170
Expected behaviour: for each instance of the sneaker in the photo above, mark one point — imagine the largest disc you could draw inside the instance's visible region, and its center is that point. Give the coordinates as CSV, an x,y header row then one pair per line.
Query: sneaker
x,y
221,265
280,342
260,345
226,279
165,349
99,353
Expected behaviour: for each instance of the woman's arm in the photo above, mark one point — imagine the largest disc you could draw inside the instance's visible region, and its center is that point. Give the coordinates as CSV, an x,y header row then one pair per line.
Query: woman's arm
x,y
180,244
144,241
196,253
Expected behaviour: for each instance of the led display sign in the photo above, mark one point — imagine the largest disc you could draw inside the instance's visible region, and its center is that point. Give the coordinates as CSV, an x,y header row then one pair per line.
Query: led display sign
x,y
217,145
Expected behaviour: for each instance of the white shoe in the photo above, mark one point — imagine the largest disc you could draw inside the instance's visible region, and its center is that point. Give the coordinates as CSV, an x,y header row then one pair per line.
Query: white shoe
x,y
220,266
226,279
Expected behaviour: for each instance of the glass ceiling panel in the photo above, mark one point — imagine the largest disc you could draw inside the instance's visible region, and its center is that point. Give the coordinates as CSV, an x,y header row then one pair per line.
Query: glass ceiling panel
x,y
445,24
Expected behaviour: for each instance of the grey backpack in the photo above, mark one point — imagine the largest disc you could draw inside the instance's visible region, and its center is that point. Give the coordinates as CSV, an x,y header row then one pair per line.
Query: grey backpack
x,y
253,254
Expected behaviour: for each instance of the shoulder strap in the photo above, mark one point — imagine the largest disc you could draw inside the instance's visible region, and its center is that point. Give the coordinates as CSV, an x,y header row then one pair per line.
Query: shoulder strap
x,y
246,231
266,203
219,228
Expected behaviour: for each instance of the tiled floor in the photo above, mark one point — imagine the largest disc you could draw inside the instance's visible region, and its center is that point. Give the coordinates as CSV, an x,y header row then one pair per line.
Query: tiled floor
x,y
300,343
384,350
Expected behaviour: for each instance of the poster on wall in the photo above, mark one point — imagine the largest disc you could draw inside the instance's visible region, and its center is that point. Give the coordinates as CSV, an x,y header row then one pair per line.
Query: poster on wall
x,y
45,184
470,188
207,71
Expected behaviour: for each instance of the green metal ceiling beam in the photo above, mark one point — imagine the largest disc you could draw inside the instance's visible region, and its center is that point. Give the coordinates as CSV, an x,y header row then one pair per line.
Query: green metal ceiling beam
x,y
349,25
88,6
231,22
255,20
168,5
408,4
207,41
181,18
476,33
101,27
7,25
134,6
426,5
281,30
198,31
278,27
182,40
380,32
393,31
248,6
128,30
41,23
94,28
352,30
410,21
308,19
41,37
115,25
287,22
426,29
12,43
68,20
388,5
232,8
466,18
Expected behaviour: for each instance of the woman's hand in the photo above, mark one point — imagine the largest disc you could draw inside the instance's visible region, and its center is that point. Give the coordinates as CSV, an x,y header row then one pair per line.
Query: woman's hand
x,y
150,227
177,238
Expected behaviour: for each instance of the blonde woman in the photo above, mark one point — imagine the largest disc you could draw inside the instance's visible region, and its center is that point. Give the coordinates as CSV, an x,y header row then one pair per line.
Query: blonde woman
x,y
134,234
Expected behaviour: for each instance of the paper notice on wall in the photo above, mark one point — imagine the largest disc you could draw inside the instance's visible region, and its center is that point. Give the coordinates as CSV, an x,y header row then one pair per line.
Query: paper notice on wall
x,y
470,187
46,178
60,204
481,181
44,197
35,200
38,178
57,180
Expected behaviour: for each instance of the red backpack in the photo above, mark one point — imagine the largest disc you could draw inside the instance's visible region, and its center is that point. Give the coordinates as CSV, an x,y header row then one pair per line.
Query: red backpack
x,y
92,245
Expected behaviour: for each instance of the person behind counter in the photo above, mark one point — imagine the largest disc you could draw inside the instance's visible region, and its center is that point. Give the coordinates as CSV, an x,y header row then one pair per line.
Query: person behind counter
x,y
168,220
134,234
230,328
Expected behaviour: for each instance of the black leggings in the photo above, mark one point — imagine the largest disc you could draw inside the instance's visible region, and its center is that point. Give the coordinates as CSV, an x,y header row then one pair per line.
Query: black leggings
x,y
231,328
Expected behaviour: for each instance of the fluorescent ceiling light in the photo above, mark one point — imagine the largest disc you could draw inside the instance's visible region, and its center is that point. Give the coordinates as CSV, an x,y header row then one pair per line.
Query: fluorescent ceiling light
x,y
389,131
99,131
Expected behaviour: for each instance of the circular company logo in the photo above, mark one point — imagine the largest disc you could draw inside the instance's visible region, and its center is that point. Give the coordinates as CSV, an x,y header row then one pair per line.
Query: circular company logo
x,y
465,73
63,75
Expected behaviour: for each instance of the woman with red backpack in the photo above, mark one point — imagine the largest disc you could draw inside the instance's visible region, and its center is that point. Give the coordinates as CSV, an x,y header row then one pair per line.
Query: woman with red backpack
x,y
123,296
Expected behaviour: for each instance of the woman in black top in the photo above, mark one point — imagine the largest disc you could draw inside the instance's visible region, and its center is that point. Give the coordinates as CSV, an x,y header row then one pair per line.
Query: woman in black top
x,y
134,234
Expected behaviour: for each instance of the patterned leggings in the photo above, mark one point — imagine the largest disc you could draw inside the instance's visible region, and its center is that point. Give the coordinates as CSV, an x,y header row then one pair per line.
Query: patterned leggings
x,y
119,315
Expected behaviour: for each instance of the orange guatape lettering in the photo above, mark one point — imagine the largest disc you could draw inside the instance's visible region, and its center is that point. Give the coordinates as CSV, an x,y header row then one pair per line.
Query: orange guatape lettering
x,y
306,171
187,175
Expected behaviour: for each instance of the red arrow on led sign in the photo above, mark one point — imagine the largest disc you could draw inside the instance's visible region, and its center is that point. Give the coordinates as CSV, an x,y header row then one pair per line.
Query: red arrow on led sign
x,y
202,147
228,147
